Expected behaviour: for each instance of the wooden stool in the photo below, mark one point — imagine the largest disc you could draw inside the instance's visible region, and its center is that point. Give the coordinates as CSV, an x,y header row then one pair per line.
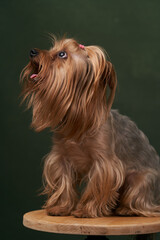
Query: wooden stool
x,y
95,228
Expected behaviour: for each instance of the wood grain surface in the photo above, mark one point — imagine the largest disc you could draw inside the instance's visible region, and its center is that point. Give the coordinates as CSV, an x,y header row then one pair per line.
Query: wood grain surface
x,y
39,220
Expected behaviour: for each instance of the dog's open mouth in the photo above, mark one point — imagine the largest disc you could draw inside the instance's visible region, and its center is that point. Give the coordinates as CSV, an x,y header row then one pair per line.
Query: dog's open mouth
x,y
34,75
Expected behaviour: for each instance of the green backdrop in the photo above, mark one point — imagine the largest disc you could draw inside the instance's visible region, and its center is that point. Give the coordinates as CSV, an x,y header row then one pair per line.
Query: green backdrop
x,y
128,30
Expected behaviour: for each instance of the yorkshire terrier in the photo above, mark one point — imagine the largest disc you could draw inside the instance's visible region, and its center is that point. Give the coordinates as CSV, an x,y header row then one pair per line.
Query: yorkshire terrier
x,y
66,88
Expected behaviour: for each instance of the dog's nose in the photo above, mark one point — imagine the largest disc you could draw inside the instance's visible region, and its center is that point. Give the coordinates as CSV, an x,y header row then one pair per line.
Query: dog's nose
x,y
33,52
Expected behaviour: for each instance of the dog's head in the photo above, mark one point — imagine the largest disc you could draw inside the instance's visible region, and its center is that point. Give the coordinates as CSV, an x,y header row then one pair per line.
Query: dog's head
x,y
66,87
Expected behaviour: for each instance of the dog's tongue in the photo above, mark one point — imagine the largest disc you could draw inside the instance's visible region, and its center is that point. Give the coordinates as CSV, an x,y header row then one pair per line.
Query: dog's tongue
x,y
33,75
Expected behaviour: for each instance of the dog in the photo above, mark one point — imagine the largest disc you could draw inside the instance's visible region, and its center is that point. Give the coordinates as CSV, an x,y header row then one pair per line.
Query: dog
x,y
66,88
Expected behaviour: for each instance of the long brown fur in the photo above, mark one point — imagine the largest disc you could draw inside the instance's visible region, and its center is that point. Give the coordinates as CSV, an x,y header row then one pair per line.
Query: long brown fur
x,y
92,144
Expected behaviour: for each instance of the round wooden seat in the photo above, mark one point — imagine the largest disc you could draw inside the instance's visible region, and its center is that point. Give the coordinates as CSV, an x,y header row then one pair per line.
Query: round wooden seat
x,y
39,220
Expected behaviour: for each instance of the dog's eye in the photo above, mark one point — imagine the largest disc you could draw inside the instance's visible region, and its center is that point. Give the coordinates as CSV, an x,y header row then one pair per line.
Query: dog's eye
x,y
62,54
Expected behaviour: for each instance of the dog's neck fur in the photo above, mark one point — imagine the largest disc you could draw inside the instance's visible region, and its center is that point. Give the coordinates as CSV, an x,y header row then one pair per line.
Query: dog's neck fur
x,y
83,147
80,129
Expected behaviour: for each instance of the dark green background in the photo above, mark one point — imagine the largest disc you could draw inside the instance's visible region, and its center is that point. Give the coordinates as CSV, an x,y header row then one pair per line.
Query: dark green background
x,y
128,30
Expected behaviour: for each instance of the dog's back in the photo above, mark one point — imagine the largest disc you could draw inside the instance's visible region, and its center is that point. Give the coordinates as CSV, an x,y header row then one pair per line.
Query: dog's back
x,y
131,144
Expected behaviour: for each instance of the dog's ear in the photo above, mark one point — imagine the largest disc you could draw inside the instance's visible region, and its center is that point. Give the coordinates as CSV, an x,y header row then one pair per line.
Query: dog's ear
x,y
112,83
104,71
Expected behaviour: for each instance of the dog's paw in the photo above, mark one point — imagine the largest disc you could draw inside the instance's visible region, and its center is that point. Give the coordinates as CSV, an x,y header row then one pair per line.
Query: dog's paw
x,y
90,211
124,211
79,213
58,211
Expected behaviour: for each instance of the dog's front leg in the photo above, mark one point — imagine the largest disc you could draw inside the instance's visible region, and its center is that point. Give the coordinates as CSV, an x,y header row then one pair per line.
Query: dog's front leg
x,y
101,194
59,185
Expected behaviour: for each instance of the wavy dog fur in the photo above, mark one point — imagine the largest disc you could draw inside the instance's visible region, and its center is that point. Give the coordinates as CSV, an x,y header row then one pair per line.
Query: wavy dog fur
x,y
92,144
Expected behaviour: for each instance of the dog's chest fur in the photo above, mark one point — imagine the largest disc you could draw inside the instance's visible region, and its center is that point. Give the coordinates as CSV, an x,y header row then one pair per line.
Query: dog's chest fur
x,y
77,154
81,155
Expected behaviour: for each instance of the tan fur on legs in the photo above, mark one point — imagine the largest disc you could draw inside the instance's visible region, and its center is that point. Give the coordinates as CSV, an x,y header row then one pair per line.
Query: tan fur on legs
x,y
60,182
101,194
66,88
